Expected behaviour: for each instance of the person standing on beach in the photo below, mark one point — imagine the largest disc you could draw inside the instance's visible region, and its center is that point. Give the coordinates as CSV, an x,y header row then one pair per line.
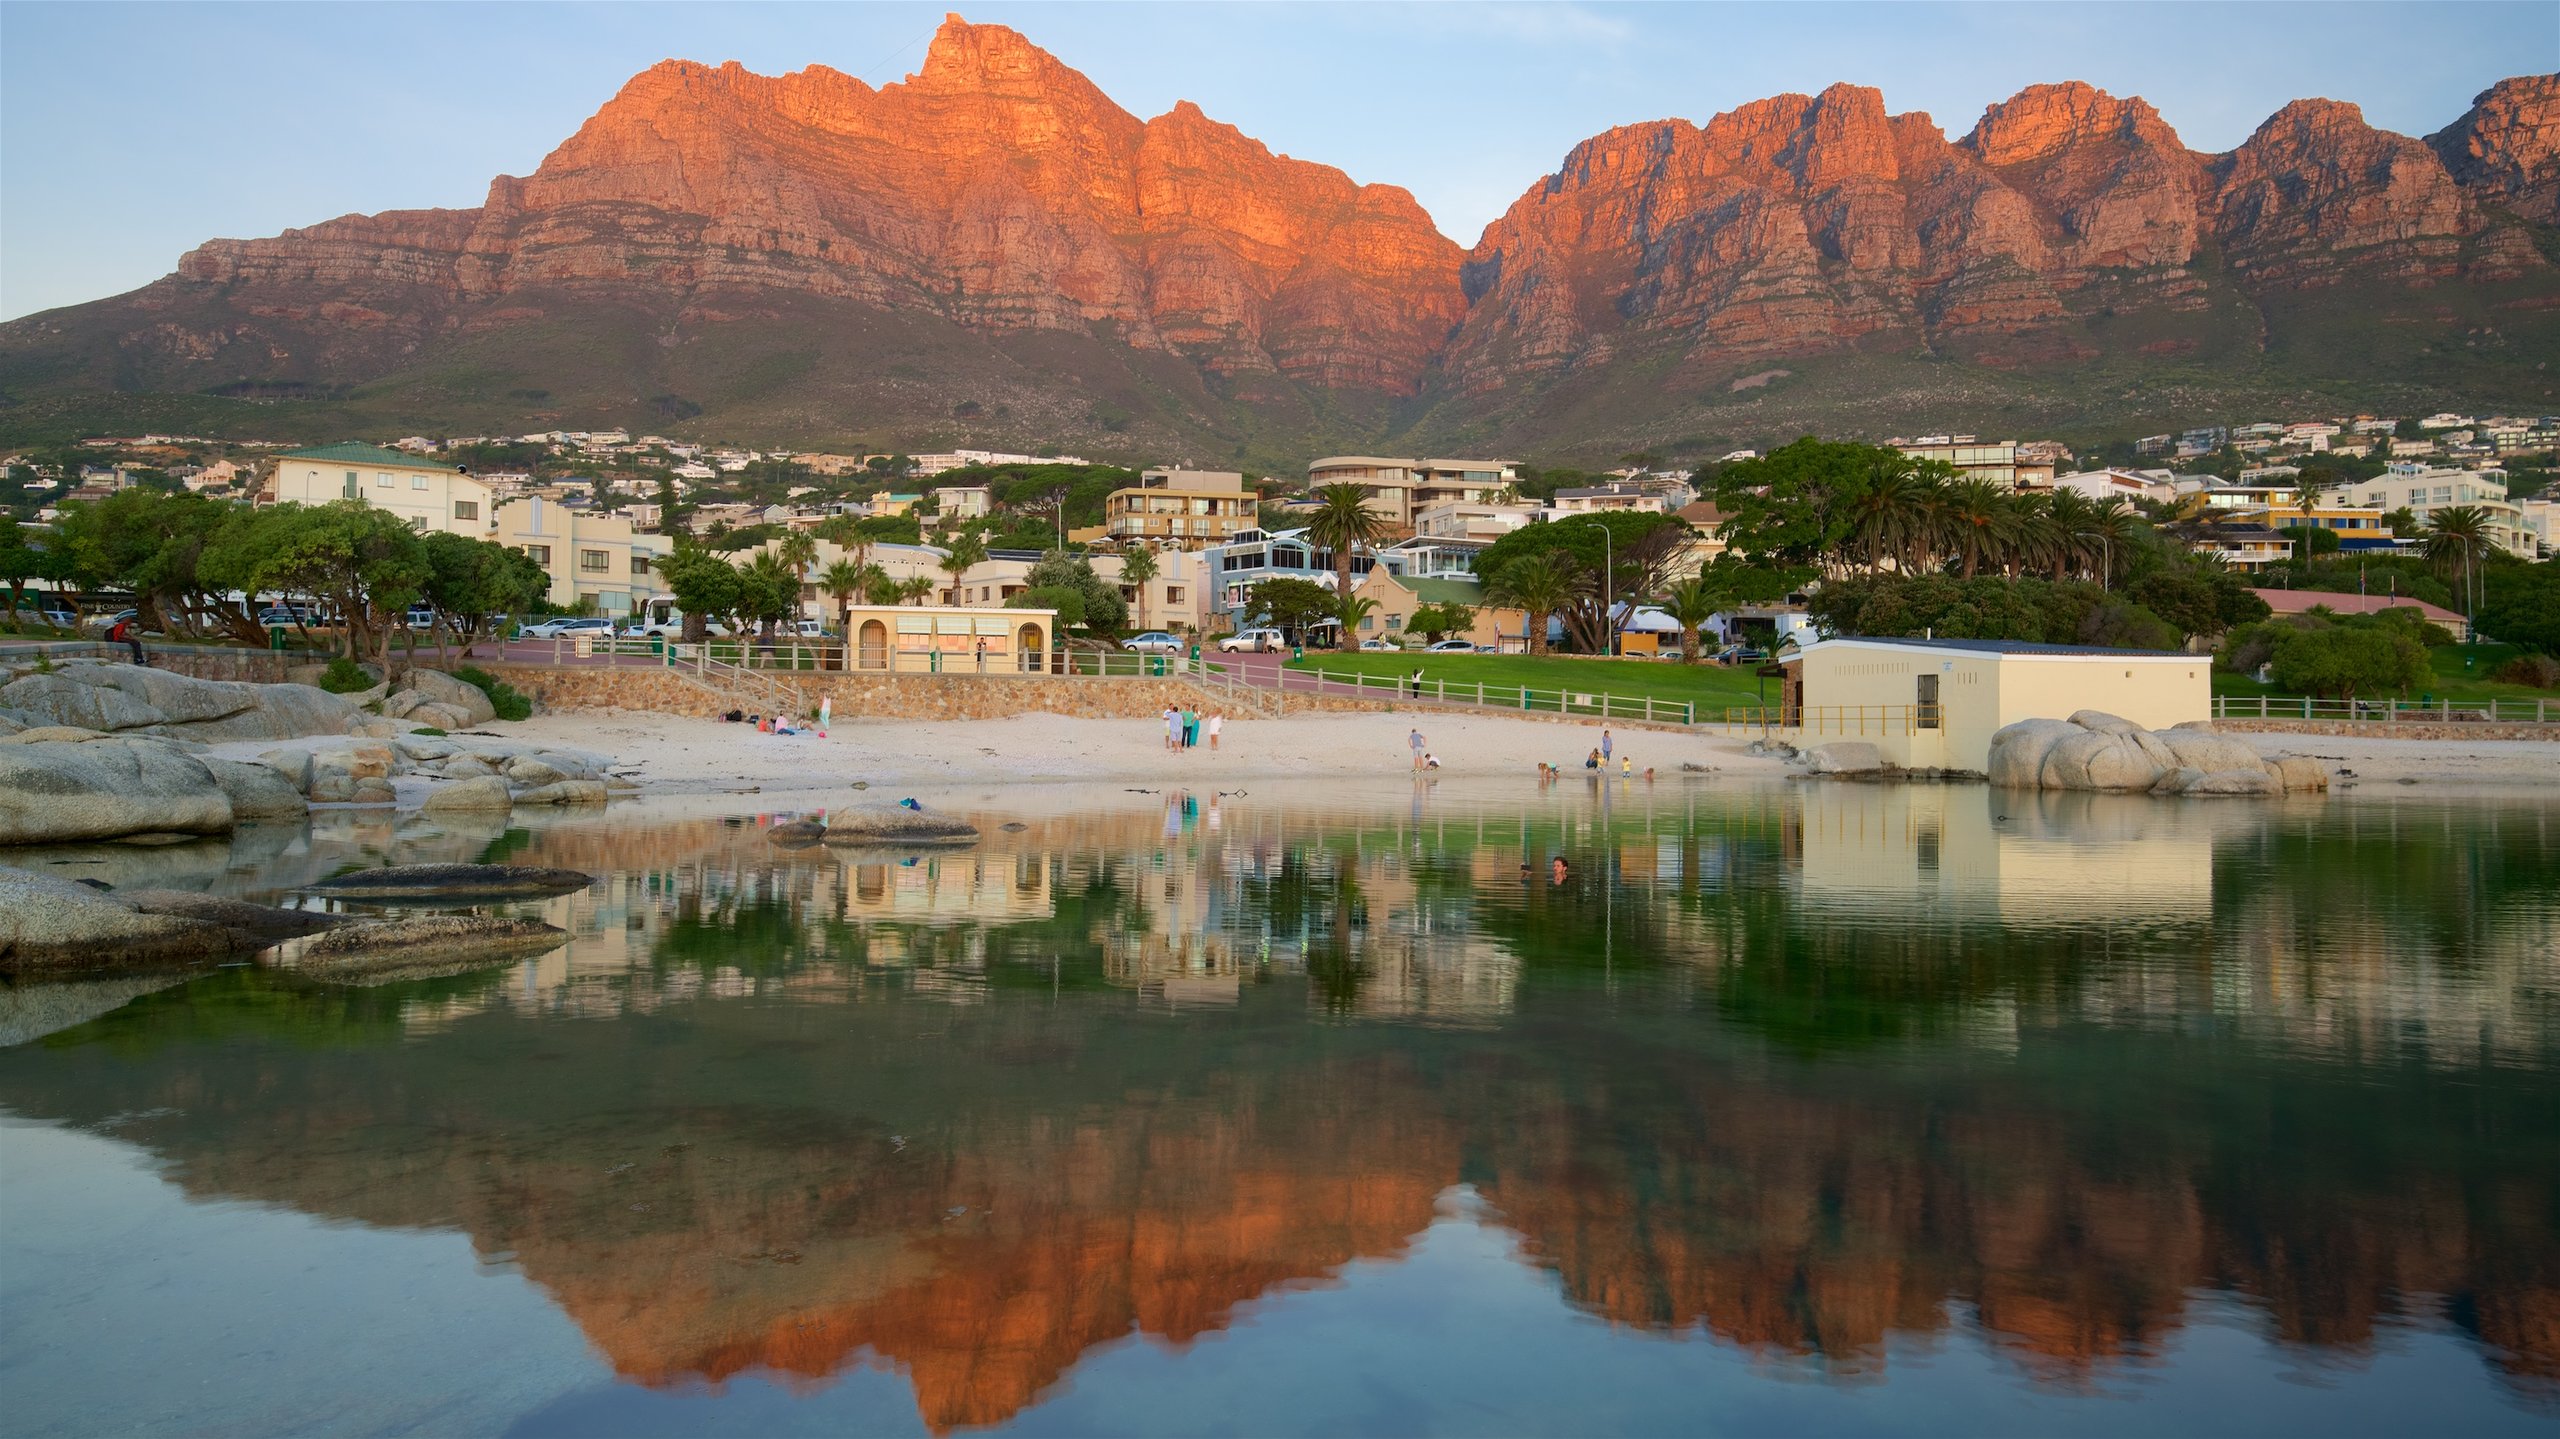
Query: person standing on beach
x,y
1190,727
1217,722
1604,746
1172,726
1415,742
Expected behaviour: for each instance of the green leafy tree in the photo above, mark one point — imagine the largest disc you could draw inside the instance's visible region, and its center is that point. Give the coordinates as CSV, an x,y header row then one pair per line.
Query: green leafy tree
x,y
843,581
2344,661
1289,605
1067,601
2457,543
2520,605
768,591
1105,612
706,587
1433,622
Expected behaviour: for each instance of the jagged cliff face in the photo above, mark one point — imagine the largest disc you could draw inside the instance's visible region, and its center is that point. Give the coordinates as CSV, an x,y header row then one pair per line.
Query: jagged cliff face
x,y
2507,149
997,188
1809,223
792,249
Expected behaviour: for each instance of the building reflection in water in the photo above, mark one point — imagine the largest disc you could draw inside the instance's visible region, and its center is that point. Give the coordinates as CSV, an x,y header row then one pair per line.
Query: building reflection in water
x,y
1801,1070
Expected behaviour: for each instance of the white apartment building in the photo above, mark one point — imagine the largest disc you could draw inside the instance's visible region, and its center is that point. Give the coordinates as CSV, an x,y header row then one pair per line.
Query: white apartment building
x,y
1400,489
2422,491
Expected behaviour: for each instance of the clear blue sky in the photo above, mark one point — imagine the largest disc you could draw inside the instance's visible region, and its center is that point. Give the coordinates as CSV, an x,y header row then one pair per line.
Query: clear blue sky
x,y
129,132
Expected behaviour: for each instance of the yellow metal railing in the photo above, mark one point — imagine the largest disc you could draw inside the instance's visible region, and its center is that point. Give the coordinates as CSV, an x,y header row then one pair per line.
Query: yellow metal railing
x,y
1840,721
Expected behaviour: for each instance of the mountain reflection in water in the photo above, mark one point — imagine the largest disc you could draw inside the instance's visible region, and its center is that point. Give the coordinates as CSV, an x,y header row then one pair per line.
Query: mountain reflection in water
x,y
1805,1071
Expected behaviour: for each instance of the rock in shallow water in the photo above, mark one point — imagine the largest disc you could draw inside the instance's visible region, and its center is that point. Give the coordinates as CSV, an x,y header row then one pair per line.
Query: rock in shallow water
x,y
53,925
889,826
486,792
258,925
453,881
417,947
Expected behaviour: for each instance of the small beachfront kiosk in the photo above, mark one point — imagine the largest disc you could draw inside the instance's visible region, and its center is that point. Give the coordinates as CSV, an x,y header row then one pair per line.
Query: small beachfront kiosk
x,y
1934,704
950,639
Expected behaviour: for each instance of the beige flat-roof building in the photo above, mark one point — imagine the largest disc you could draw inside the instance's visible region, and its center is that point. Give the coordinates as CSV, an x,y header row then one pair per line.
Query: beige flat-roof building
x,y
1993,460
951,639
1179,509
1400,489
1934,704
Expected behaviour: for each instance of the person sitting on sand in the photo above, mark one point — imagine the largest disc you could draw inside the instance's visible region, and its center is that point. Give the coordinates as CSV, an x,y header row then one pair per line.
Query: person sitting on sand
x,y
1593,761
1430,760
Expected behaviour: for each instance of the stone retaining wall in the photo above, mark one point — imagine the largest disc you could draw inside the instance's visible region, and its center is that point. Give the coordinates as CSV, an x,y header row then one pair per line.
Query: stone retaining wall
x,y
949,697
2392,729
255,666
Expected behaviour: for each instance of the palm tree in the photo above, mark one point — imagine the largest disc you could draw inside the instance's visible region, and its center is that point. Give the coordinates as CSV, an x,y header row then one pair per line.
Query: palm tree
x,y
843,580
1892,518
1981,523
914,590
1343,524
1541,584
2457,540
1137,568
879,589
1348,612
964,551
1692,602
2072,533
773,588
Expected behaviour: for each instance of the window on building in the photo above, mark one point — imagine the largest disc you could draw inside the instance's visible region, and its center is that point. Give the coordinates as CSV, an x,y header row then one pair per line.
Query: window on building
x,y
595,561
417,482
539,554
639,566
355,485
466,509
381,480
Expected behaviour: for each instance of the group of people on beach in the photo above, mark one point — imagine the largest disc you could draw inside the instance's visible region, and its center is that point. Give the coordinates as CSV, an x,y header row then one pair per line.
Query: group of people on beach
x,y
1184,728
1596,764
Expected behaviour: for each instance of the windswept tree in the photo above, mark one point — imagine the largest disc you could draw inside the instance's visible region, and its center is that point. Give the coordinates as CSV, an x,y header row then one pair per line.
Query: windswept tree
x,y
1342,523
768,590
365,565
706,587
471,582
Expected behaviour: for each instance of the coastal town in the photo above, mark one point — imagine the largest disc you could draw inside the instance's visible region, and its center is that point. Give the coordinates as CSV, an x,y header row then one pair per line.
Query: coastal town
x,y
1484,719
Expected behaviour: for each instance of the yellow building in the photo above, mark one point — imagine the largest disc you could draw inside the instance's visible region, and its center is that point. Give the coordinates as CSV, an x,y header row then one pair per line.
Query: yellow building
x,y
1934,704
946,639
598,559
428,495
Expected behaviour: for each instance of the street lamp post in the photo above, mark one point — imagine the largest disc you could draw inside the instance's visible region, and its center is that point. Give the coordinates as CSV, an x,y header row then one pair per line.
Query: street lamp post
x,y
1608,601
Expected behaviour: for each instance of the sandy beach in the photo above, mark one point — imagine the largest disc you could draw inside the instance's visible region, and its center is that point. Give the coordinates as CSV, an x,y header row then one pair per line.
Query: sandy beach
x,y
677,755
672,755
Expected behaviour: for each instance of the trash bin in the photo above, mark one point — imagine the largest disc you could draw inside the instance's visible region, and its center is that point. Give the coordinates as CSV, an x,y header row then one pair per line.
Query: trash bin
x,y
1155,665
1297,654
275,637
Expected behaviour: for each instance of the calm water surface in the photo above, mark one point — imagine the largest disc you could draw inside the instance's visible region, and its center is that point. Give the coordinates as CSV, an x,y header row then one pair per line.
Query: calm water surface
x,y
1786,1110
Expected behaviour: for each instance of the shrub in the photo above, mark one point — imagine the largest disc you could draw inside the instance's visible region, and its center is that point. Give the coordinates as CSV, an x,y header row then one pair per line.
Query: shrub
x,y
2540,672
510,702
428,730
345,677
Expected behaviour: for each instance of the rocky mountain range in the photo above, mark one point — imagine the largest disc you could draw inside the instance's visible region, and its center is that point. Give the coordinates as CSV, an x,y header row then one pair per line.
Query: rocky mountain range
x,y
994,251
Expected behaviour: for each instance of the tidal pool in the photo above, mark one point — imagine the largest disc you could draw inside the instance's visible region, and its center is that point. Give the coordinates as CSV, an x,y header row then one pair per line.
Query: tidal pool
x,y
1781,1109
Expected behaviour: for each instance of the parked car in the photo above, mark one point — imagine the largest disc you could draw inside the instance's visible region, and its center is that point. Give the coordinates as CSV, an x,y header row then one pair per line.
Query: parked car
x,y
1153,642
1741,655
421,617
1375,645
592,626
1452,647
1253,642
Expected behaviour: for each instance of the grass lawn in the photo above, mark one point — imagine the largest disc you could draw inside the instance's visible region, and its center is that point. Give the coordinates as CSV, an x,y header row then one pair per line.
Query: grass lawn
x,y
1557,683
2453,681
